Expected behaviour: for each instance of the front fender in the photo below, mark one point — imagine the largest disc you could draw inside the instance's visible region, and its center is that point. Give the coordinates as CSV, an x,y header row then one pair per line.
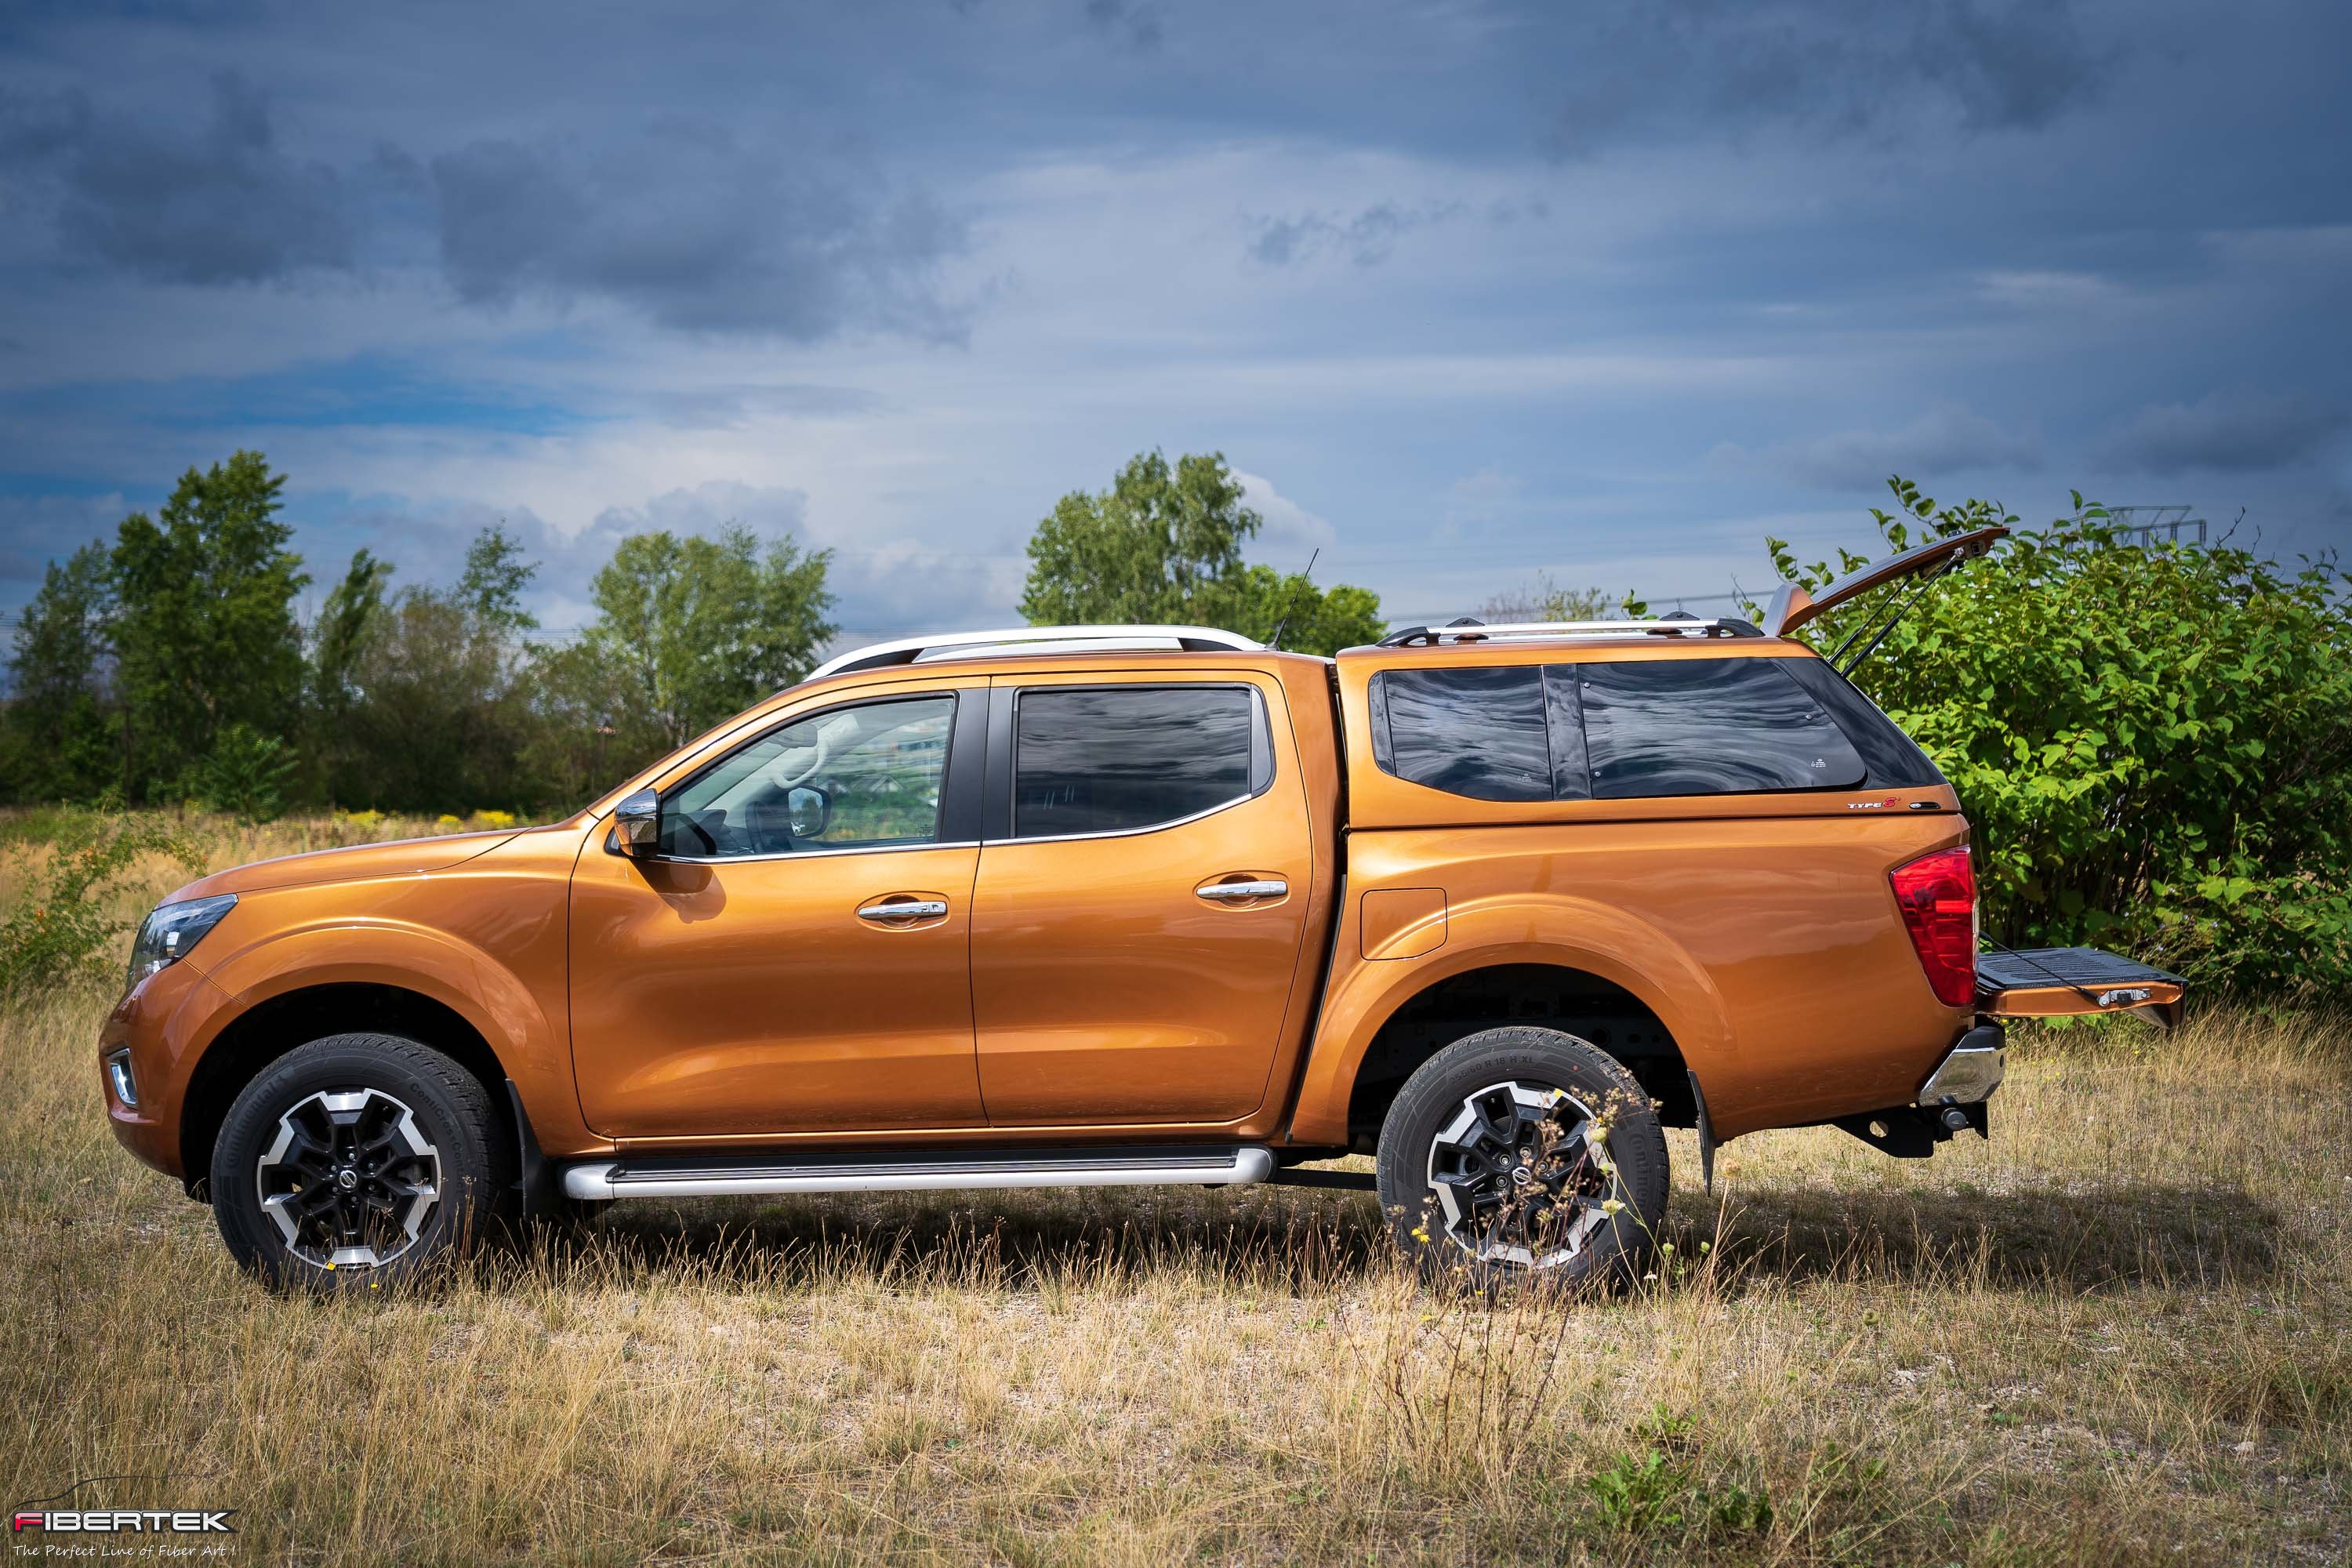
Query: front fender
x,y
1485,933
532,1049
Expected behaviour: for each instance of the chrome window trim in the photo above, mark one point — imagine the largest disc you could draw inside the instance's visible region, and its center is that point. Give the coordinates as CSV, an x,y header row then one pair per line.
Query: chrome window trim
x,y
807,853
1129,832
1261,741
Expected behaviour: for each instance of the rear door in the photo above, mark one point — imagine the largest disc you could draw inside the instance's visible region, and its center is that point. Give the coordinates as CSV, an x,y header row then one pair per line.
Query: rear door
x,y
1142,893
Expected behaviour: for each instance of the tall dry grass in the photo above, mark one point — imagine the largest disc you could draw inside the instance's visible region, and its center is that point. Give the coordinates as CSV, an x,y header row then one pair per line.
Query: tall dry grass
x,y
2116,1333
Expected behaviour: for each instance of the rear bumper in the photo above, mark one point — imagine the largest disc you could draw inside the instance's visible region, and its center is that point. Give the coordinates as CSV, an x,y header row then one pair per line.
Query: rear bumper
x,y
1969,1071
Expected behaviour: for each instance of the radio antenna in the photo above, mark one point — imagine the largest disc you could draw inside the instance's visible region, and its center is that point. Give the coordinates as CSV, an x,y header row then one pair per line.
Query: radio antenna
x,y
1305,580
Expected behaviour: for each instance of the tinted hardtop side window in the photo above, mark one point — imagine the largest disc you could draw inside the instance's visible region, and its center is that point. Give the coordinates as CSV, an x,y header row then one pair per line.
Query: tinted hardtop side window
x,y
1480,731
1119,758
1729,726
1894,759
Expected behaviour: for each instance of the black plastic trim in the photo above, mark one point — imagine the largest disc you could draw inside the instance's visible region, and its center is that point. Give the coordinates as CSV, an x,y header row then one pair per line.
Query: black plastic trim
x,y
535,1182
962,795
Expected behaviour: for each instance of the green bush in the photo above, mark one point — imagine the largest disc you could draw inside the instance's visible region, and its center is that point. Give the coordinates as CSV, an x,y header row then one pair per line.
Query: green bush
x,y
59,931
246,774
2154,743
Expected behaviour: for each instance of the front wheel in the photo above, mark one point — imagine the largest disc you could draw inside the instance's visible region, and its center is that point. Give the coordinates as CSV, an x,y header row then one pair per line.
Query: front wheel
x,y
358,1161
1524,1152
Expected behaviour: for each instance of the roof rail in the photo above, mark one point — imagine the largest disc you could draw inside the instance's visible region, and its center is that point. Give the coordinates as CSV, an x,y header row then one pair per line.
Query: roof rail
x,y
1035,639
1466,630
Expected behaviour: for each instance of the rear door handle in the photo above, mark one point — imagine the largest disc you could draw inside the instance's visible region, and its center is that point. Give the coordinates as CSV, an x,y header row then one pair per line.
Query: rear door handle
x,y
1242,893
905,910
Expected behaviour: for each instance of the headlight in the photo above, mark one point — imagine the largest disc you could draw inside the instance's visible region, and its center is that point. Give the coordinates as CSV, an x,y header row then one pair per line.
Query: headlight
x,y
165,936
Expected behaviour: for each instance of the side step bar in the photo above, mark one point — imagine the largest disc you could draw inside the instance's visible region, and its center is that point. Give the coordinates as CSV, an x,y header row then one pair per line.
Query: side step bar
x,y
916,1171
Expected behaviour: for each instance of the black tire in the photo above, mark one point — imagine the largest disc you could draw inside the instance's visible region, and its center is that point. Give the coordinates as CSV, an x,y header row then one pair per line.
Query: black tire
x,y
1542,1213
332,1129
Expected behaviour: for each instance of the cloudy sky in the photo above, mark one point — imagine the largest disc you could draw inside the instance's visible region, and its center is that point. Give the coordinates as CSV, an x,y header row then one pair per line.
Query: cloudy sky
x,y
1466,289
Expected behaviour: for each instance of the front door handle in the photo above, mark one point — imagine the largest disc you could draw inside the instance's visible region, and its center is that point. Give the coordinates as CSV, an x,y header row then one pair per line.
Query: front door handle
x,y
1242,893
904,909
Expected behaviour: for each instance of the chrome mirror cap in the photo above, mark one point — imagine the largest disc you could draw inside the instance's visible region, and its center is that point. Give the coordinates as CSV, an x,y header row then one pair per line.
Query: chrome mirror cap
x,y
637,825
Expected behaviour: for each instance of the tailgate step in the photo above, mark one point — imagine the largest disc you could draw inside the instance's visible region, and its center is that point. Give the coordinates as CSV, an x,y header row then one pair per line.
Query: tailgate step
x,y
2056,981
916,1170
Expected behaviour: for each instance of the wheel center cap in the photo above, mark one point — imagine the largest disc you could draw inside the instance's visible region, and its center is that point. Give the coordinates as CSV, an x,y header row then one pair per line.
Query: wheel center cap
x,y
347,1179
1522,1175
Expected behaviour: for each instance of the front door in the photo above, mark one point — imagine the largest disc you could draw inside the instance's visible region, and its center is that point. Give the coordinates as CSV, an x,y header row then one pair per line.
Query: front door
x,y
1140,903
797,957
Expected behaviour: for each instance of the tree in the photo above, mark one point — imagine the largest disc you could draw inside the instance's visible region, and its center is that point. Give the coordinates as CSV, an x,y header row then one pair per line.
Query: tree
x,y
1164,546
699,628
205,633
496,577
1258,601
246,775
61,743
338,640
1543,599
443,718
2154,743
585,733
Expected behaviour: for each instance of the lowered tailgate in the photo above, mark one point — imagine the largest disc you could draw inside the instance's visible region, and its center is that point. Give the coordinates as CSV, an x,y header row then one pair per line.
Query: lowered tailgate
x,y
2060,981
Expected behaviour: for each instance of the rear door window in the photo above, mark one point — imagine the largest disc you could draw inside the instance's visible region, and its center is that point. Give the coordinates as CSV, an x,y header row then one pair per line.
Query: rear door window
x,y
1731,726
1116,759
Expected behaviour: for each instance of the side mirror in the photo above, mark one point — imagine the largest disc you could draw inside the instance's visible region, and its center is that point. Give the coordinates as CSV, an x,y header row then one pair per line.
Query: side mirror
x,y
637,825
811,809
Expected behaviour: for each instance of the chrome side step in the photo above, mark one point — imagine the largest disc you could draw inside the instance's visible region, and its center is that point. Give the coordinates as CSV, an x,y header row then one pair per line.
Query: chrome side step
x,y
922,1169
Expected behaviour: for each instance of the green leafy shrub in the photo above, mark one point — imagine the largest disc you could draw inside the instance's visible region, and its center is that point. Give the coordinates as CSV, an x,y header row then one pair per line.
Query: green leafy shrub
x,y
2154,743
60,931
246,774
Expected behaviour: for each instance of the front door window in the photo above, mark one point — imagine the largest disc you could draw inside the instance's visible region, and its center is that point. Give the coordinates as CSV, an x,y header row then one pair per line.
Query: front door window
x,y
854,778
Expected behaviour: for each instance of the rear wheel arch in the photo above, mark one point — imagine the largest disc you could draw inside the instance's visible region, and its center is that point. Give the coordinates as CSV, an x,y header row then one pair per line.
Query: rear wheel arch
x,y
281,1024
1550,996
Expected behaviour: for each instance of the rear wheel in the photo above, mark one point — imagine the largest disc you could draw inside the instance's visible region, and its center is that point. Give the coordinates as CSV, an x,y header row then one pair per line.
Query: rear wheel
x,y
359,1161
1523,1153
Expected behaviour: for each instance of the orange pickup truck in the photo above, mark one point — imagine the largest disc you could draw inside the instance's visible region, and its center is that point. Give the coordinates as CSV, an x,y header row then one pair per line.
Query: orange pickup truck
x,y
1119,906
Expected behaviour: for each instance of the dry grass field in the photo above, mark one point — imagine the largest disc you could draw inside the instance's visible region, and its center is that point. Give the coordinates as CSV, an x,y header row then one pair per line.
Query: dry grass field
x,y
2119,1332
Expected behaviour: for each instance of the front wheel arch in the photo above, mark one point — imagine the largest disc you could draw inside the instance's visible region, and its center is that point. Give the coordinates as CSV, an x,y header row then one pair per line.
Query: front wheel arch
x,y
285,1022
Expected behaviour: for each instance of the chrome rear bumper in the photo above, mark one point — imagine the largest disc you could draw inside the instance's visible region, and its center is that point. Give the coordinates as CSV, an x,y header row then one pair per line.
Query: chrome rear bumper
x,y
1969,1071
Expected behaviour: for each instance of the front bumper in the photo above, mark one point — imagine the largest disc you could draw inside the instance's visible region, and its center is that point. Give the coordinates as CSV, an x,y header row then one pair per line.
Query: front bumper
x,y
162,1024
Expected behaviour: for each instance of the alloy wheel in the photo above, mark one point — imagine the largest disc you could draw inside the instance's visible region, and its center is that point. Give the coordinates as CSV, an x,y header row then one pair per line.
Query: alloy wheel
x,y
1521,1175
350,1179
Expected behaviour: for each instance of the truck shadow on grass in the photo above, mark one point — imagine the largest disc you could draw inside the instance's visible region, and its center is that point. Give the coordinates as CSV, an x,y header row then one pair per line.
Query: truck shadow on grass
x,y
2125,1237
2132,1235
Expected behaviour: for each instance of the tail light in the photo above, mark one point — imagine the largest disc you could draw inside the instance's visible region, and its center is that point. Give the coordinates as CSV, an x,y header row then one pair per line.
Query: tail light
x,y
1938,896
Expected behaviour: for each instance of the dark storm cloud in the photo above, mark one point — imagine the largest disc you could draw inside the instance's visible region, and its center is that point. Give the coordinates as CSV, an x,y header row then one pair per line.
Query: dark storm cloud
x,y
218,202
1697,68
700,228
1138,26
1947,439
701,231
1366,238
2236,431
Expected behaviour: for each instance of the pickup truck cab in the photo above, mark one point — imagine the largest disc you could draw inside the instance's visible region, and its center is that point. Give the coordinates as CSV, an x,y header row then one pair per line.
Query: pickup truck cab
x,y
1104,906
